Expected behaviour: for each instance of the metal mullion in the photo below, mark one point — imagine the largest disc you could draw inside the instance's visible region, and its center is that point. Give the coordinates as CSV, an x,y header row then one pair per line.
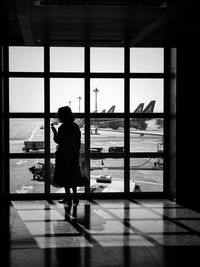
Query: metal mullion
x,y
106,115
113,195
26,155
99,155
167,118
146,155
47,119
126,120
147,115
67,75
107,75
6,178
148,75
26,115
26,74
87,113
76,115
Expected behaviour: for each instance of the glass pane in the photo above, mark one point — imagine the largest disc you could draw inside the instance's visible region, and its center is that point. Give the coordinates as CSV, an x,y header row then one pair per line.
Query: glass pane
x,y
146,174
26,95
67,59
107,59
26,176
26,135
147,60
107,95
146,95
67,92
146,135
80,122
107,135
26,59
106,175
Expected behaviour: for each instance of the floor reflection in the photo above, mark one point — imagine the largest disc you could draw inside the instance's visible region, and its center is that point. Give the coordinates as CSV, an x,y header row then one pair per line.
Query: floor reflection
x,y
109,223
116,232
88,219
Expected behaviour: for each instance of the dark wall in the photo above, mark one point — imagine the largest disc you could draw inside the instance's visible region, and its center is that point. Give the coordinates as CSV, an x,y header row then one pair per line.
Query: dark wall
x,y
188,120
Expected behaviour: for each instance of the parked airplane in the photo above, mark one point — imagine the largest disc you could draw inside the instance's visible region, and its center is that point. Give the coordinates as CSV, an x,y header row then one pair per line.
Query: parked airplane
x,y
112,109
80,122
100,122
137,123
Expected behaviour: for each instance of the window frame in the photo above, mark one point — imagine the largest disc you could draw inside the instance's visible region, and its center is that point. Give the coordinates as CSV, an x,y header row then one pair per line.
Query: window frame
x,y
87,115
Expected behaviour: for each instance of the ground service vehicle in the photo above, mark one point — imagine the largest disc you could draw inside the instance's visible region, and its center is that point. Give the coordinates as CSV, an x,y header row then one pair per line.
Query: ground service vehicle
x,y
33,145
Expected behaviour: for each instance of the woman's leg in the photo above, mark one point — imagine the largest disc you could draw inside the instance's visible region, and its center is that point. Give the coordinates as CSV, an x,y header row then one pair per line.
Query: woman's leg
x,y
67,193
75,198
68,198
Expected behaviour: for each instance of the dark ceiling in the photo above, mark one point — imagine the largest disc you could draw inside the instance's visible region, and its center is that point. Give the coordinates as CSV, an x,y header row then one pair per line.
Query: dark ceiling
x,y
100,22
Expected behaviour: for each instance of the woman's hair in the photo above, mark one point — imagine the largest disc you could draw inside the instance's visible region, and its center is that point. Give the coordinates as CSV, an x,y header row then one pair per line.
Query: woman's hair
x,y
65,114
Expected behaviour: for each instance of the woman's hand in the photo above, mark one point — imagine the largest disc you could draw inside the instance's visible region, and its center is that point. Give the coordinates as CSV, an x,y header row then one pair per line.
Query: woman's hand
x,y
53,128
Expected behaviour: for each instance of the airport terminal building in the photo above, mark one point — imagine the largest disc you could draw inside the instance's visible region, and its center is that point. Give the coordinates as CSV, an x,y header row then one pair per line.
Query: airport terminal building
x,y
128,71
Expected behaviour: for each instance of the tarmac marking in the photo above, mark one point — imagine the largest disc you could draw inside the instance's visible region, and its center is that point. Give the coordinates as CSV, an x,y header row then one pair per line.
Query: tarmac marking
x,y
33,132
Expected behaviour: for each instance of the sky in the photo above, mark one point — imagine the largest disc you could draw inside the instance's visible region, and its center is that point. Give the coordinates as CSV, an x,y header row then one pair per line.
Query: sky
x,y
27,94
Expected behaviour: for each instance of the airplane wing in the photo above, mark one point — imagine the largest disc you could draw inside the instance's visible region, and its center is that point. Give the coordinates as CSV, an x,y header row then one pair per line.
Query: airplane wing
x,y
155,133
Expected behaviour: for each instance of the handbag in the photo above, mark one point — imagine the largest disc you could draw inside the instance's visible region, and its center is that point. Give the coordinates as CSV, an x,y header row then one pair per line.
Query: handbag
x,y
82,179
52,176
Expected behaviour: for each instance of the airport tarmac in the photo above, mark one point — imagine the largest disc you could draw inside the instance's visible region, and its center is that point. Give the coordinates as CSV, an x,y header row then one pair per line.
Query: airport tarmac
x,y
144,172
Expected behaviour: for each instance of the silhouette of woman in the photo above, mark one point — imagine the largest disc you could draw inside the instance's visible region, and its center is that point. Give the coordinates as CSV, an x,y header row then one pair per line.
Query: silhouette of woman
x,y
68,138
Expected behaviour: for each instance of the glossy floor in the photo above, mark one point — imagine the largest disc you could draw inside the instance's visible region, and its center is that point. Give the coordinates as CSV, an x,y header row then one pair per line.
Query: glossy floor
x,y
103,233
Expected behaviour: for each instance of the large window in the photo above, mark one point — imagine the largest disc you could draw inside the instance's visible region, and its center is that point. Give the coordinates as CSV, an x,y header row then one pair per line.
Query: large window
x,y
117,96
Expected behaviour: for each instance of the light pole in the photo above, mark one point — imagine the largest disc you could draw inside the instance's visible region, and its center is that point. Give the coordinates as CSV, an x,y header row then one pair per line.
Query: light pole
x,y
96,90
79,99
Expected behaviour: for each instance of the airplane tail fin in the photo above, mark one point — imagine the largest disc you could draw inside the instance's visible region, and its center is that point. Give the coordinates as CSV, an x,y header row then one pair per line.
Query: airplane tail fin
x,y
139,108
103,111
150,107
111,110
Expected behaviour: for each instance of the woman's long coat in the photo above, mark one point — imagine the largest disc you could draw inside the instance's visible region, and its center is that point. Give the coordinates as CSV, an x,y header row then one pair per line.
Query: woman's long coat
x,y
68,139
